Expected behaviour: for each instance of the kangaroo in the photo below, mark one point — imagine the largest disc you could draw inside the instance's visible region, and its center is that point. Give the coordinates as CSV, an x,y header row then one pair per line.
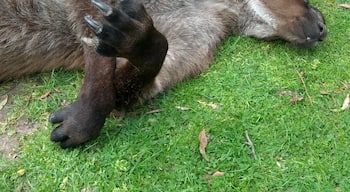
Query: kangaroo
x,y
132,50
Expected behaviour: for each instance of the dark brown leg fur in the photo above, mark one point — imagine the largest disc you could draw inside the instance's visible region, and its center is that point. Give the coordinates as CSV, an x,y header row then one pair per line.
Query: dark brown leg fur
x,y
128,33
131,34
83,119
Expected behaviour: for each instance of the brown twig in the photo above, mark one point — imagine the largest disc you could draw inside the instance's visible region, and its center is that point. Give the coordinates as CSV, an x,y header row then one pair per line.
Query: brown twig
x,y
305,88
251,145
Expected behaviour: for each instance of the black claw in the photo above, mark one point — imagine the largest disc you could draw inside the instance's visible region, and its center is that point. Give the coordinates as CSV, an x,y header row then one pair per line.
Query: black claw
x,y
59,116
105,9
58,135
95,26
55,118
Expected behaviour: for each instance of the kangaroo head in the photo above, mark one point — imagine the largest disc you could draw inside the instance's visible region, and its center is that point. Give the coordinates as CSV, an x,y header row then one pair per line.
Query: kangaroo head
x,y
292,20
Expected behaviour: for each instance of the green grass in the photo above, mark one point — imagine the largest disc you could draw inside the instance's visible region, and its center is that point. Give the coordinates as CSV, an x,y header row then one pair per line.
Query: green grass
x,y
159,152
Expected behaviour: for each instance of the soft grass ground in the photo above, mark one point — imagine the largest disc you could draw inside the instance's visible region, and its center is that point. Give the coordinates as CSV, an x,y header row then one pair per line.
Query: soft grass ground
x,y
300,147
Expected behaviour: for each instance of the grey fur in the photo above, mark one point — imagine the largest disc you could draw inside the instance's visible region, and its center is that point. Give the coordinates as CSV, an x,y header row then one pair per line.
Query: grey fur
x,y
40,35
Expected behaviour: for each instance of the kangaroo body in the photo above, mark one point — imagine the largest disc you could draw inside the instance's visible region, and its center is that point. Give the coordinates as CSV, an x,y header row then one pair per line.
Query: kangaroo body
x,y
38,36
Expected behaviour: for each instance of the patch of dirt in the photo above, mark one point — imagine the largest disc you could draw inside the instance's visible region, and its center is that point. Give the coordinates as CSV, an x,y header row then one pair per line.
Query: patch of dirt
x,y
8,145
3,111
9,140
24,127
9,134
8,90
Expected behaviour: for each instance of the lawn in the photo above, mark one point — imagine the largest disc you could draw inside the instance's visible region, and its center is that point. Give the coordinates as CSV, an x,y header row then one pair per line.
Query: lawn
x,y
287,99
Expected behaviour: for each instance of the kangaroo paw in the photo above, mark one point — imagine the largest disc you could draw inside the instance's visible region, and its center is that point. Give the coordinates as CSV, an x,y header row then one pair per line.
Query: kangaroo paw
x,y
78,124
124,28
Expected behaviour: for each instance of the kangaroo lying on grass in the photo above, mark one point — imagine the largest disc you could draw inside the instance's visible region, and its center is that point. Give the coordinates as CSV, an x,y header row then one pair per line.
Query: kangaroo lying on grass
x,y
133,50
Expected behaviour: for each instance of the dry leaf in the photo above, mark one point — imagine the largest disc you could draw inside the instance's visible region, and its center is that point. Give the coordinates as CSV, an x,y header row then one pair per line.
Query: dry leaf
x,y
346,6
45,95
324,92
4,102
154,111
64,103
278,164
211,104
203,142
183,108
216,174
21,172
346,102
285,92
348,86
345,105
295,99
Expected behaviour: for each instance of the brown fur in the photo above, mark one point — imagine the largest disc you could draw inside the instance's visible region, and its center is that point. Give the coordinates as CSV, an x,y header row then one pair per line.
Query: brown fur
x,y
178,43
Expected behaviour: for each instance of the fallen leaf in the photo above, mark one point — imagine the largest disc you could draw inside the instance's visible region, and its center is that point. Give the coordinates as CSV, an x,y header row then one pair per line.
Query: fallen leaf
x,y
285,92
211,104
346,102
183,108
295,99
345,105
21,172
216,174
203,142
4,102
45,95
64,103
154,111
346,6
348,86
278,164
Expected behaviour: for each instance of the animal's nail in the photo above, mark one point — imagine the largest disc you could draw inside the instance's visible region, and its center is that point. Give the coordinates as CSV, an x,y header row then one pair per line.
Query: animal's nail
x,y
95,26
105,9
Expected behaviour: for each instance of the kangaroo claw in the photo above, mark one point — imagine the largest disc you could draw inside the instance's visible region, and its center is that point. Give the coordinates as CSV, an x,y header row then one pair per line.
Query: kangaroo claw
x,y
94,25
105,9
